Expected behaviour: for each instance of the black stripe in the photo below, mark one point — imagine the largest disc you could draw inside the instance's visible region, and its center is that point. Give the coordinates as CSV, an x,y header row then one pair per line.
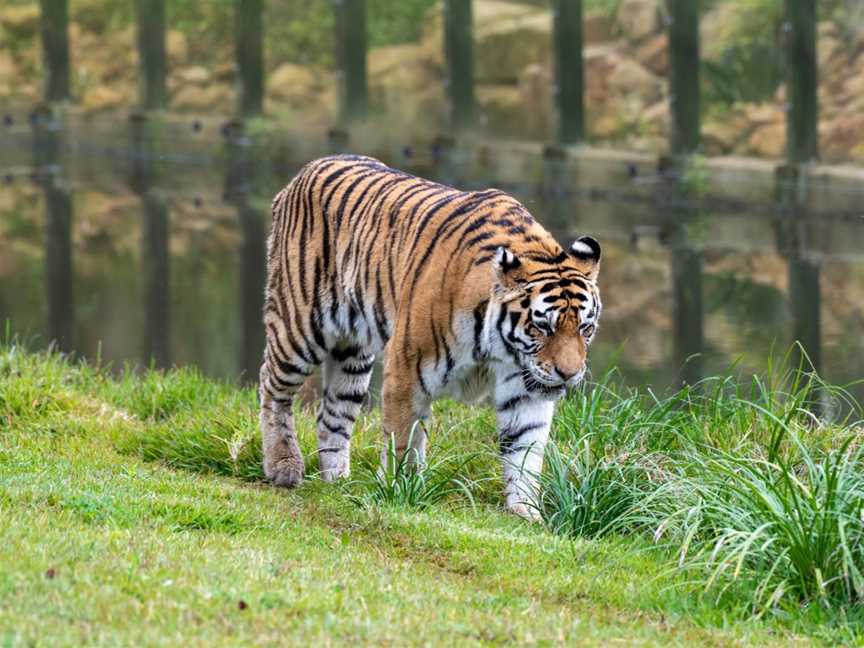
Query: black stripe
x,y
479,317
378,311
280,352
332,429
512,402
420,378
509,436
278,399
315,312
344,354
340,210
337,415
357,371
353,397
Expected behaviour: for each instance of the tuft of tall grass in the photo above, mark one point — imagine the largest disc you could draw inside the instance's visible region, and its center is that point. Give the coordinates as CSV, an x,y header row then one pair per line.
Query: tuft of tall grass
x,y
726,412
399,481
585,492
792,529
155,395
34,385
743,481
221,438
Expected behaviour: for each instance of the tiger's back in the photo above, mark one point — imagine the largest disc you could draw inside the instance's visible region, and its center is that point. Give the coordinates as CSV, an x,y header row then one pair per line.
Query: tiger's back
x,y
361,255
353,238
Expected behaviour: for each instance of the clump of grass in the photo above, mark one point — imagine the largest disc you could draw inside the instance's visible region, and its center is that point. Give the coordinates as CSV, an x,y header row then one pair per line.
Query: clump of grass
x,y
585,492
157,395
92,508
33,386
790,529
221,438
742,481
401,482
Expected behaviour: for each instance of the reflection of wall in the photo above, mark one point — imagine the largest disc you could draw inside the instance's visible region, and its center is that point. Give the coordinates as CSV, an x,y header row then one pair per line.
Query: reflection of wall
x,y
154,242
806,303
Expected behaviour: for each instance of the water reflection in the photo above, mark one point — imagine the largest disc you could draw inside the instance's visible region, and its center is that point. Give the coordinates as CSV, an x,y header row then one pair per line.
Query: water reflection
x,y
803,270
155,260
155,256
58,229
239,185
687,289
687,329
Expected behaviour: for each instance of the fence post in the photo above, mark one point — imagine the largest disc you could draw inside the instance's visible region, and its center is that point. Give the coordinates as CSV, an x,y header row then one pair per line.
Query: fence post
x,y
802,140
58,229
351,47
151,53
249,52
155,255
459,51
684,76
569,73
55,49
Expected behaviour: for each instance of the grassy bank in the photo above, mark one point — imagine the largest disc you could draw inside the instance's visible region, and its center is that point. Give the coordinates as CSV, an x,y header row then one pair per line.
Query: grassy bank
x,y
133,512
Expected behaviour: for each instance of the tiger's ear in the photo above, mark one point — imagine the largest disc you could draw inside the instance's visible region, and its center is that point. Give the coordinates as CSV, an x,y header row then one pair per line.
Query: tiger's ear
x,y
587,251
507,267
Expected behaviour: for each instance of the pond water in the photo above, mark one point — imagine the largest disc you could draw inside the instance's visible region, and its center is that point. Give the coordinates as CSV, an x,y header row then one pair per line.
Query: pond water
x,y
129,243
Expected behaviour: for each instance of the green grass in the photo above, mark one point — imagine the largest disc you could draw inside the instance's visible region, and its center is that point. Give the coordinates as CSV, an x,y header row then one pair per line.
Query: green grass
x,y
760,500
133,512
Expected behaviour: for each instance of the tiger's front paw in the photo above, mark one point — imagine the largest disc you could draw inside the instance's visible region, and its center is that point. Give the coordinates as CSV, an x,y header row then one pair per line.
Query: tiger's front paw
x,y
523,509
335,470
286,472
334,463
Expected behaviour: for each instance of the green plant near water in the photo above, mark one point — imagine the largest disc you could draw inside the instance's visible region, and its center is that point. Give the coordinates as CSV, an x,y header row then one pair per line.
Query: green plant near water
x,y
791,530
741,482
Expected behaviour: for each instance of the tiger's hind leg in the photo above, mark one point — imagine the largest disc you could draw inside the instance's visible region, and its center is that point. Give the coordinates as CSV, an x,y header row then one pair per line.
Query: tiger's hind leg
x,y
347,372
280,380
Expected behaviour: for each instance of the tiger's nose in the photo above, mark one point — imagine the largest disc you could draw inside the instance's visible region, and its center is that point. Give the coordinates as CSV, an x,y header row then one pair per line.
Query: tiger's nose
x,y
564,375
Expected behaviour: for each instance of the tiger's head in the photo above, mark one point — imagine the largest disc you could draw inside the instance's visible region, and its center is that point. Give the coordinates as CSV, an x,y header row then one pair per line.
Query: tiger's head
x,y
549,312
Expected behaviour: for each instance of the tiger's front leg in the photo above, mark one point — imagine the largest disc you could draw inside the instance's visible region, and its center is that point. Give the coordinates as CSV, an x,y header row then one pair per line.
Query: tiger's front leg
x,y
403,404
523,430
346,372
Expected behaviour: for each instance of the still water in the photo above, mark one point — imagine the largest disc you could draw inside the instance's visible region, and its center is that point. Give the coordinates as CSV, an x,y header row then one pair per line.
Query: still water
x,y
130,242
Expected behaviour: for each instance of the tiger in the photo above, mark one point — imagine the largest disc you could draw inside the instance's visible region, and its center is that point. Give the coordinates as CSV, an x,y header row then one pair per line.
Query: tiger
x,y
463,293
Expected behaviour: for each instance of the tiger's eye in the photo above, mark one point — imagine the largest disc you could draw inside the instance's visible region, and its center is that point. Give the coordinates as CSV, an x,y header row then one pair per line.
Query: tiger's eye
x,y
588,330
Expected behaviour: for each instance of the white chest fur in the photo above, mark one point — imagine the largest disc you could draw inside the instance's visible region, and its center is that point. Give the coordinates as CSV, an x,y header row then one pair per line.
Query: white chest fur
x,y
471,385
